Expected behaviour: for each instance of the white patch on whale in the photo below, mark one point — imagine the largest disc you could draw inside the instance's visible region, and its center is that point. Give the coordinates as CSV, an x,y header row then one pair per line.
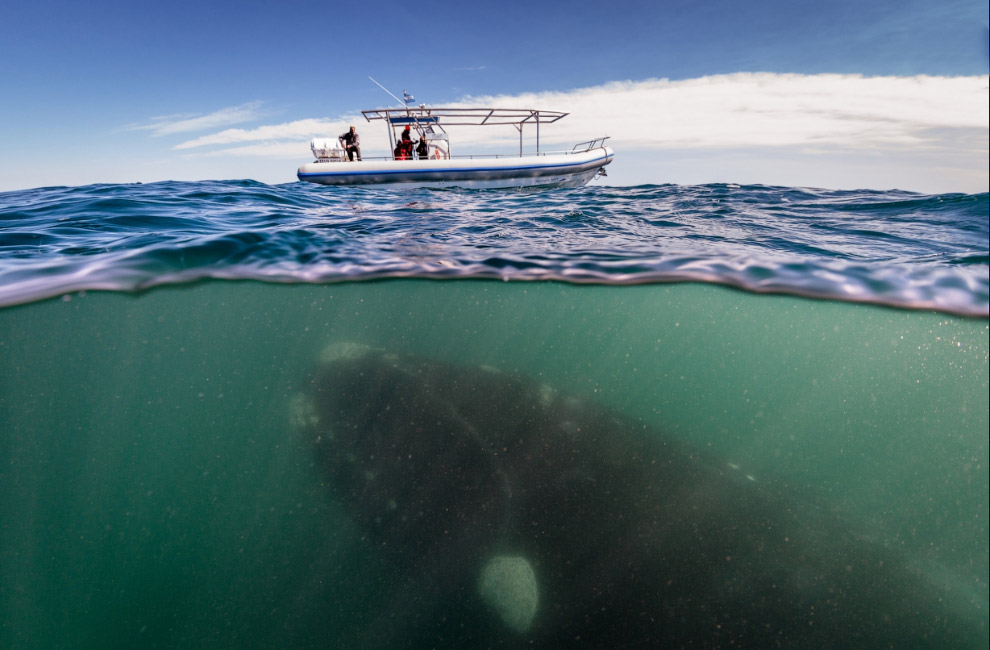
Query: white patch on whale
x,y
508,585
302,412
344,351
546,395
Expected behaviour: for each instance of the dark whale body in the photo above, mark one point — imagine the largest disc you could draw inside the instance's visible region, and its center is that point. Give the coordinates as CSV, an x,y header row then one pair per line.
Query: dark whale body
x,y
635,540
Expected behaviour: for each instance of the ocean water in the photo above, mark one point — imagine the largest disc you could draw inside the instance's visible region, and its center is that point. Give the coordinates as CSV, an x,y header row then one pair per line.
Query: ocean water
x,y
153,339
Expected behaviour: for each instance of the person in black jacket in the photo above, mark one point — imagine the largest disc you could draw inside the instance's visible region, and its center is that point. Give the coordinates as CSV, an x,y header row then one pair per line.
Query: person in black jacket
x,y
351,143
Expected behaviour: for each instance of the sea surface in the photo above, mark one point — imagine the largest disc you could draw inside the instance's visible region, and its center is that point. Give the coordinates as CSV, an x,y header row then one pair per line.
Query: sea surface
x,y
154,492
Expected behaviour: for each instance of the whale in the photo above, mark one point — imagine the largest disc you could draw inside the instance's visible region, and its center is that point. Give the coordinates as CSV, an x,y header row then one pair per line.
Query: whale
x,y
510,514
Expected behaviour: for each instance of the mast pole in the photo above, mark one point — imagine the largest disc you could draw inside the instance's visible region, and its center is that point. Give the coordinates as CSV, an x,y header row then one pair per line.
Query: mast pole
x,y
388,118
388,91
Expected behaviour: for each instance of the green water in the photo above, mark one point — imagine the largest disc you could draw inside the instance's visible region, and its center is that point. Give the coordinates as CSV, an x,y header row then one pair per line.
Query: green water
x,y
155,495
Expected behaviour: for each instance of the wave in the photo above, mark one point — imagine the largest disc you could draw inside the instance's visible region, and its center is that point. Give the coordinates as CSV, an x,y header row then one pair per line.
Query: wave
x,y
899,249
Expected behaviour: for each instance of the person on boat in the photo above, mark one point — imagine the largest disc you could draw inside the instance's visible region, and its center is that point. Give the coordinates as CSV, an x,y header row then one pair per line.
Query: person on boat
x,y
404,149
422,149
351,143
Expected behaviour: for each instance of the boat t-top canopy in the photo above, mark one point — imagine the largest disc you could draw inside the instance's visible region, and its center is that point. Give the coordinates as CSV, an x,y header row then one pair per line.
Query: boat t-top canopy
x,y
463,116
425,119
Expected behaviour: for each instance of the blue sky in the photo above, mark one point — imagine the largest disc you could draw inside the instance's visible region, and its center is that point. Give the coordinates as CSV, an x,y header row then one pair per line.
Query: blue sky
x,y
868,93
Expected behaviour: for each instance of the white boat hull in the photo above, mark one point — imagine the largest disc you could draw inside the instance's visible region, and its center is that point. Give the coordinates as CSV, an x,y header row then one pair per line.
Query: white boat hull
x,y
550,170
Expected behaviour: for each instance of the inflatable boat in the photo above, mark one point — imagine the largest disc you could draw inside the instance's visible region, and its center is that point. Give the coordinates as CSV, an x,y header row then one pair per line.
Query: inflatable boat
x,y
435,165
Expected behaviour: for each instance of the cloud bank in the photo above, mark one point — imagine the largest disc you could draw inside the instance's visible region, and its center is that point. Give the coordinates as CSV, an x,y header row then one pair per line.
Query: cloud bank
x,y
724,111
924,133
763,109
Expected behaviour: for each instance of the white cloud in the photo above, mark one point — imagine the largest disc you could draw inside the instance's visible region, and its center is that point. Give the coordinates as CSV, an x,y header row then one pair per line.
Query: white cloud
x,y
297,130
922,133
188,123
763,109
726,111
285,150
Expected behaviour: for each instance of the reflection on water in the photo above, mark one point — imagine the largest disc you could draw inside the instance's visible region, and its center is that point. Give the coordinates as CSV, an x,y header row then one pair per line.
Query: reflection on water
x,y
156,493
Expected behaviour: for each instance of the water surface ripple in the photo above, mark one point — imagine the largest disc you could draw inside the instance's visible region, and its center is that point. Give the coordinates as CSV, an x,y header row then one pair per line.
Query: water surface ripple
x,y
893,248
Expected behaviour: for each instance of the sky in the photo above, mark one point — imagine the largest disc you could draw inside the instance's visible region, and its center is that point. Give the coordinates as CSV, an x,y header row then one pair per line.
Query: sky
x,y
840,94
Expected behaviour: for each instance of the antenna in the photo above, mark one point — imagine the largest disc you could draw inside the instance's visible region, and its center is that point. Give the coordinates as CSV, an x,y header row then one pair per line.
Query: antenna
x,y
389,92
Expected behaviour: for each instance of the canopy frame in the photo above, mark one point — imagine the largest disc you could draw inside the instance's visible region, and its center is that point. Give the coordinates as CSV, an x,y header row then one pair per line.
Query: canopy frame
x,y
426,119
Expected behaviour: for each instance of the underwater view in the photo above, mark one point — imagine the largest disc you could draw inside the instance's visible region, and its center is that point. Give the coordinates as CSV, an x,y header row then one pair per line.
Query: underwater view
x,y
240,415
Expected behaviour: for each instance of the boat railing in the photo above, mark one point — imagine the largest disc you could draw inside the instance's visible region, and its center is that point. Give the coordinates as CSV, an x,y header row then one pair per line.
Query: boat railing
x,y
581,147
532,154
590,144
